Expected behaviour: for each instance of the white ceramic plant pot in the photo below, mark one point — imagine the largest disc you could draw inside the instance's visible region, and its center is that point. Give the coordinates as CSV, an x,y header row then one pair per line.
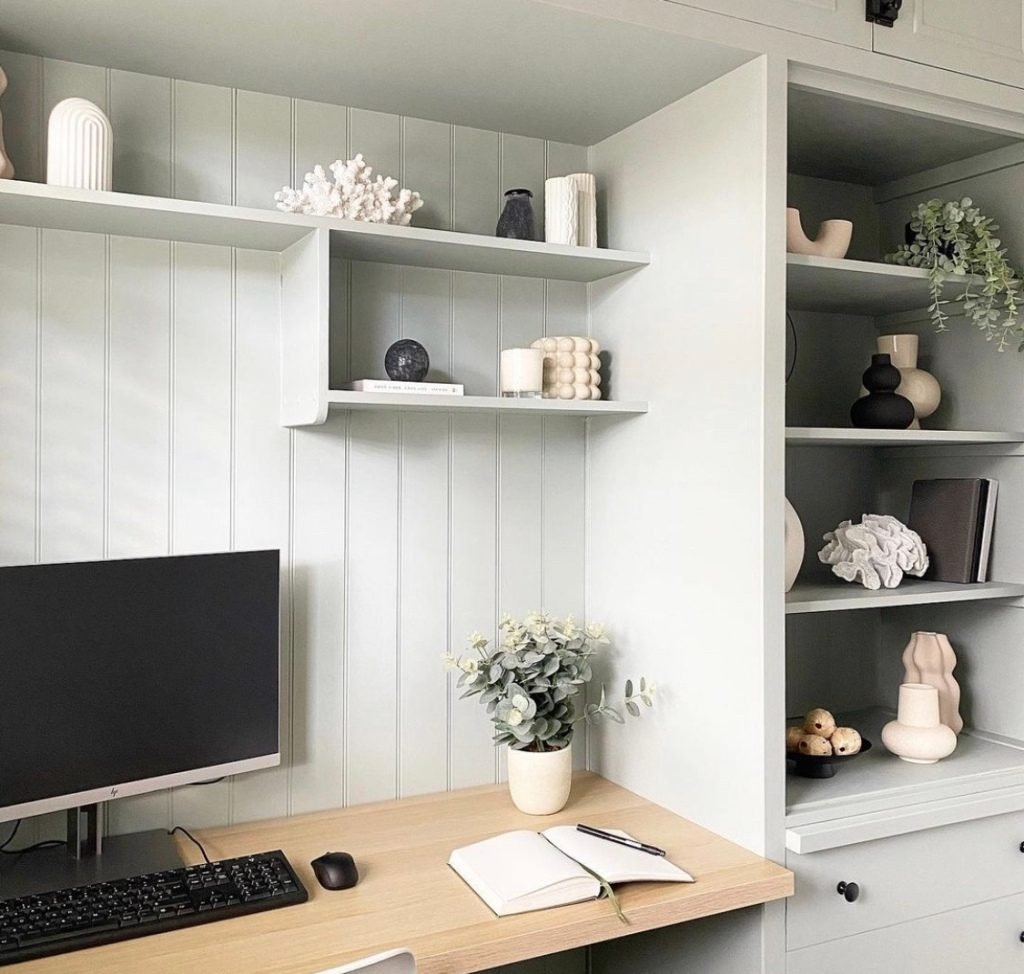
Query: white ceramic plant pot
x,y
539,781
917,736
833,238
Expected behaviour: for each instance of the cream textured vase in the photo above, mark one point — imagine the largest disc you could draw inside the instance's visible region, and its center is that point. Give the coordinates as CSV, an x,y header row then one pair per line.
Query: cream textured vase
x,y
794,545
586,205
6,166
79,148
929,658
833,238
539,781
561,211
916,735
920,387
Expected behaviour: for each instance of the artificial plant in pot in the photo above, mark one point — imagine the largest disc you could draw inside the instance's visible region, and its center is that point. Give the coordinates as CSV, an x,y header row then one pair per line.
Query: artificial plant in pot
x,y
532,686
955,240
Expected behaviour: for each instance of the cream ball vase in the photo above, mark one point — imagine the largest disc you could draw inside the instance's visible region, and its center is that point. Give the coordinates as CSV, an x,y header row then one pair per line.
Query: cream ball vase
x,y
833,238
920,387
916,735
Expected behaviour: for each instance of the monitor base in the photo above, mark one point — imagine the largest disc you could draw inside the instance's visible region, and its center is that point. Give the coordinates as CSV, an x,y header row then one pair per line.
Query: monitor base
x,y
123,855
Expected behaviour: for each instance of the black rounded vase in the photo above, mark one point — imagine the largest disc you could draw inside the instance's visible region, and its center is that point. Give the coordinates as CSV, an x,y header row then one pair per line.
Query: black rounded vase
x,y
407,361
516,220
882,408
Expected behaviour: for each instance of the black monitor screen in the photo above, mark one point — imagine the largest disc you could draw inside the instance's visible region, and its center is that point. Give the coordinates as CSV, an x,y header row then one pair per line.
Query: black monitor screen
x,y
118,671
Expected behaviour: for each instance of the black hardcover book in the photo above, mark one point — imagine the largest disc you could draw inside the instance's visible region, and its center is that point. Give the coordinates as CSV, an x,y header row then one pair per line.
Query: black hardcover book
x,y
949,516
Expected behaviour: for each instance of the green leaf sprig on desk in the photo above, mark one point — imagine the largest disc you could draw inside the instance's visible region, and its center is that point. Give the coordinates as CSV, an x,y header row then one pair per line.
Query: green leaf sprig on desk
x,y
531,682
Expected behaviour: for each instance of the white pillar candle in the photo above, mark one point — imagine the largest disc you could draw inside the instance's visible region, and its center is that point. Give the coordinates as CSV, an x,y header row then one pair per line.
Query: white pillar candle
x,y
522,372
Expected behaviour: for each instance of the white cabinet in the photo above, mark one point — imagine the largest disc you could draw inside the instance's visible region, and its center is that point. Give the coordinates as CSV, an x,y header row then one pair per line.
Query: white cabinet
x,y
984,38
841,21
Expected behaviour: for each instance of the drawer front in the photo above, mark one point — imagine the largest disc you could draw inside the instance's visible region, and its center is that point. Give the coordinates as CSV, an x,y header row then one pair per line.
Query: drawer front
x,y
903,878
980,939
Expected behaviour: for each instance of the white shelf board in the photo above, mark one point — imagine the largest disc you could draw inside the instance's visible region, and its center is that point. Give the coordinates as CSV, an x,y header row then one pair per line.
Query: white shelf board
x,y
878,794
838,596
430,402
826,436
856,287
90,211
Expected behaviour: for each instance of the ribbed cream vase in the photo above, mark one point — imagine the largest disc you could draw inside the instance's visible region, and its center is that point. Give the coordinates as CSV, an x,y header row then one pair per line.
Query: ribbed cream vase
x,y
929,658
79,149
539,781
561,211
6,166
586,190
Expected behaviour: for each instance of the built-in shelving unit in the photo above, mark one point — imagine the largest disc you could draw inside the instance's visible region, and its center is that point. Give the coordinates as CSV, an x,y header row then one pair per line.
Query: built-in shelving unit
x,y
877,795
402,402
824,436
856,287
841,596
58,208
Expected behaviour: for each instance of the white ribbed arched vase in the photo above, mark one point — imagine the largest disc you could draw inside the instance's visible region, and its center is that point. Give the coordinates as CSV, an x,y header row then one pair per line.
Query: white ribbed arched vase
x,y
79,149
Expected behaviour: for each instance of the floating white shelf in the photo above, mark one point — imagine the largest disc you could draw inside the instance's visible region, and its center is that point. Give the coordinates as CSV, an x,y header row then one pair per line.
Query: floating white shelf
x,y
878,795
839,596
856,287
59,208
825,436
402,402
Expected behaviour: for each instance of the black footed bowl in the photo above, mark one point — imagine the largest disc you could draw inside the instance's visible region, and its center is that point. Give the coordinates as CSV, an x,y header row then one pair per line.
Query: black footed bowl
x,y
821,765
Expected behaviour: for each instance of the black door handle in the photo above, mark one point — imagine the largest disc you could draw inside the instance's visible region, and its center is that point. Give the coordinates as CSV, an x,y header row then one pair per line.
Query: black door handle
x,y
850,891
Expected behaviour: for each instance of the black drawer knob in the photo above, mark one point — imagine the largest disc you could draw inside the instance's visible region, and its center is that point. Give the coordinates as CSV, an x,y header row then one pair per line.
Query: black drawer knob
x,y
1022,847
1022,938
850,892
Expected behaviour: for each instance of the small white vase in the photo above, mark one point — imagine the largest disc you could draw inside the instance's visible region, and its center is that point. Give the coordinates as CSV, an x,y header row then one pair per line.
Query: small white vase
x,y
920,387
539,781
794,545
929,658
561,211
916,735
833,238
79,146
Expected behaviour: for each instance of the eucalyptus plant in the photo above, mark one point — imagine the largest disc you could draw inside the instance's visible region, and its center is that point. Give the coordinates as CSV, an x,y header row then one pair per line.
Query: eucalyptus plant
x,y
954,239
531,682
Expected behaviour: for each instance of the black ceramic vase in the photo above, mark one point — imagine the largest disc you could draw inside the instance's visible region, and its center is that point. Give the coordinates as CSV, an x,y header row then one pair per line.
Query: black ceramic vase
x,y
516,220
407,361
882,408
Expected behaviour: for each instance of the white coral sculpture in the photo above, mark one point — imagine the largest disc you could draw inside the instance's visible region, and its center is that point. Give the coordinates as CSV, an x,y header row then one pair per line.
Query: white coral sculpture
x,y
877,552
354,194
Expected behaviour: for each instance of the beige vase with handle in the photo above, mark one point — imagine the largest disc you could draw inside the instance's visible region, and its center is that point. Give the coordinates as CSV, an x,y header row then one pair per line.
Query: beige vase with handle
x,y
833,238
929,658
539,781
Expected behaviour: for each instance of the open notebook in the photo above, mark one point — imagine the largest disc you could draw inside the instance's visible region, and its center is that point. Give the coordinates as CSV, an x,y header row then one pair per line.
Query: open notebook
x,y
521,871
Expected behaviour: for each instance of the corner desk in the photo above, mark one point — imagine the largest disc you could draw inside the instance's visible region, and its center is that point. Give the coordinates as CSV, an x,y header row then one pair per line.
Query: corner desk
x,y
408,896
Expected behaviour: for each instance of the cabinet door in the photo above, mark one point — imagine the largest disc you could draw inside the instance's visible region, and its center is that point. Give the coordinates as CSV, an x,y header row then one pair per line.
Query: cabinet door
x,y
982,939
842,21
984,38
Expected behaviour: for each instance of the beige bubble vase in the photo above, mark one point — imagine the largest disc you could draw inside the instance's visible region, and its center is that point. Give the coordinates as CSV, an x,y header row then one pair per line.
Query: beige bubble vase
x,y
917,736
920,387
540,781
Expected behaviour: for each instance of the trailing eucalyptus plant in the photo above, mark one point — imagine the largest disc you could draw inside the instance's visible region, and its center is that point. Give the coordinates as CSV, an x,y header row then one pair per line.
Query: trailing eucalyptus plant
x,y
530,682
955,239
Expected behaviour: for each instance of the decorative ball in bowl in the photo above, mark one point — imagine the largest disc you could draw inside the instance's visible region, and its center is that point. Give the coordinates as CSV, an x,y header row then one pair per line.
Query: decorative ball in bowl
x,y
818,746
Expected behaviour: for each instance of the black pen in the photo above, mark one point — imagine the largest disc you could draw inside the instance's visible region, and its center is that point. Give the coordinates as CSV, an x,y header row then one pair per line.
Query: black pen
x,y
651,850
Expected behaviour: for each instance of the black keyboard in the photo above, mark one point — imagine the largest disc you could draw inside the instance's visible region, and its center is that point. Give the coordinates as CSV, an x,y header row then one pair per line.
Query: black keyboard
x,y
87,916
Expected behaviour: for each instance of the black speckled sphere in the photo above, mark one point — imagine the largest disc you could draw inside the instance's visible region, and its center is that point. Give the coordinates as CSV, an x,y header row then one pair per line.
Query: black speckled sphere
x,y
407,361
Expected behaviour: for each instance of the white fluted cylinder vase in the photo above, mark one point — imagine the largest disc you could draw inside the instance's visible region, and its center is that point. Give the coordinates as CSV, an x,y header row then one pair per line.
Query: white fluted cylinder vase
x,y
561,211
586,193
80,146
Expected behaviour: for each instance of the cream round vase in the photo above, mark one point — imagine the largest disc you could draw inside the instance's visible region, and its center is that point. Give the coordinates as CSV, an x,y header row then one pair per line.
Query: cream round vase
x,y
916,735
920,387
539,781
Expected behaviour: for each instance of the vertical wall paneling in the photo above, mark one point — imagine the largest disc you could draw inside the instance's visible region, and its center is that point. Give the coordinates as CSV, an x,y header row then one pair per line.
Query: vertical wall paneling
x,y
203,127
476,159
63,79
427,169
263,148
140,115
321,136
23,102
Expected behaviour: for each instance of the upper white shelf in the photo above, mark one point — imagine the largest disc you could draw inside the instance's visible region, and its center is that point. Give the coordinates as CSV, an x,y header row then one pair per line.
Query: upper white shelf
x,y
856,287
430,402
827,436
58,208
840,596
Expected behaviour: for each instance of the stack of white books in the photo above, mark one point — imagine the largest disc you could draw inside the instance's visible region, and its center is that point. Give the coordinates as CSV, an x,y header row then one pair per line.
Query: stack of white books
x,y
414,388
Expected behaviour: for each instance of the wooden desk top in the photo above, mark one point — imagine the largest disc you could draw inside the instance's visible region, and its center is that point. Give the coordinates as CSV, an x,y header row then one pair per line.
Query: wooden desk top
x,y
409,897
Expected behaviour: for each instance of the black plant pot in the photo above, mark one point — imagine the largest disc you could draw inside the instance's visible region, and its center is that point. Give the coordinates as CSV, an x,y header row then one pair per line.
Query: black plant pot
x,y
910,236
516,220
882,408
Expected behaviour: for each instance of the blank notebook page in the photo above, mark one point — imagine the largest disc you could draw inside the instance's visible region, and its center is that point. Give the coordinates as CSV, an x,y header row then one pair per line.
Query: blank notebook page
x,y
613,862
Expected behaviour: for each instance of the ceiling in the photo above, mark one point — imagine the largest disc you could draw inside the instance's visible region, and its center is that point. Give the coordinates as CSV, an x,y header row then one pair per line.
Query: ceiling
x,y
857,142
521,66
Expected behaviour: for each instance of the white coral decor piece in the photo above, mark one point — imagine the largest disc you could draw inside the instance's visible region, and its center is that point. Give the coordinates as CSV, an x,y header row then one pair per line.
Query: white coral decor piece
x,y
354,193
877,552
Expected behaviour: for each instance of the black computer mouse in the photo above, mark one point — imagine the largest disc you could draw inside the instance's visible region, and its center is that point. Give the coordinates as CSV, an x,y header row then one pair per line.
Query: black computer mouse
x,y
335,870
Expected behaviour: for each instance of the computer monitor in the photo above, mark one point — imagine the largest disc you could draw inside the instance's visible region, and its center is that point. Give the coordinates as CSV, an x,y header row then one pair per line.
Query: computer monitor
x,y
123,677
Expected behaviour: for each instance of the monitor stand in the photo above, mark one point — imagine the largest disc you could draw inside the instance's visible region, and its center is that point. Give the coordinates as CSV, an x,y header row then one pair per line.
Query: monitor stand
x,y
88,857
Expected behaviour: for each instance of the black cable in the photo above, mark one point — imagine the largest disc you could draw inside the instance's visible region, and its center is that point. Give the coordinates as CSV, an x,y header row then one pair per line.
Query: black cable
x,y
792,365
184,831
10,838
35,847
